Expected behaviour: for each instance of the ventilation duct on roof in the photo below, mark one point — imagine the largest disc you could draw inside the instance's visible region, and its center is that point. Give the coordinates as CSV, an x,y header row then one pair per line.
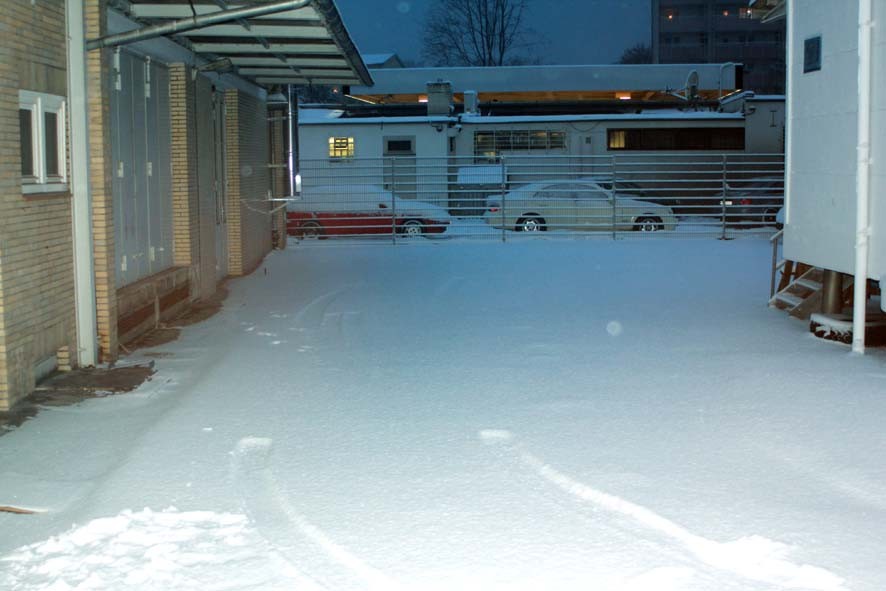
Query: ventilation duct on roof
x,y
472,102
439,98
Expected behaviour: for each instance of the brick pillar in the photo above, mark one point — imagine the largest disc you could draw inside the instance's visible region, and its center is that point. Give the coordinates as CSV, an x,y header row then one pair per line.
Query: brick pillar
x,y
184,170
232,171
101,171
249,219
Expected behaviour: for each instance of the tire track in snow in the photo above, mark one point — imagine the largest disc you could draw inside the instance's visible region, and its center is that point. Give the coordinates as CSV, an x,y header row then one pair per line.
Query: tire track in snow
x,y
321,562
753,557
314,312
448,287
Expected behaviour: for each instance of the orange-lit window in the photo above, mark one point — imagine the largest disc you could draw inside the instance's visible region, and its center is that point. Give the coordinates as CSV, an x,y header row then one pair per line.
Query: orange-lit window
x,y
618,139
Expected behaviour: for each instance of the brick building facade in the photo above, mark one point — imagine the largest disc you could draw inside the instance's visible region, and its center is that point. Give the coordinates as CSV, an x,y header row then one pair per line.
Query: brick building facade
x,y
37,297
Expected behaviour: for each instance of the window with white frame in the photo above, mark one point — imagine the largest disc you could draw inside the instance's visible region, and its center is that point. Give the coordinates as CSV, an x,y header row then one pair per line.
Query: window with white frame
x,y
42,138
341,147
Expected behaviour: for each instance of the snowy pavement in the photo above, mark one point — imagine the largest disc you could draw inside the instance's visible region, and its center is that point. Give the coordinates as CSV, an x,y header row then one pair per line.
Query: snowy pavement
x,y
449,415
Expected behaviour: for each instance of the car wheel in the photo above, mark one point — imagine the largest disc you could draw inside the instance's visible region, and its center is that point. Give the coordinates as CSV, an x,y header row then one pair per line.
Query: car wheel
x,y
648,224
309,230
530,224
411,228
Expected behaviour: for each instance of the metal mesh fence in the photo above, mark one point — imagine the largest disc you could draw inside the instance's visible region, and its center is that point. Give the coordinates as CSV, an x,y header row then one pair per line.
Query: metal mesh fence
x,y
526,197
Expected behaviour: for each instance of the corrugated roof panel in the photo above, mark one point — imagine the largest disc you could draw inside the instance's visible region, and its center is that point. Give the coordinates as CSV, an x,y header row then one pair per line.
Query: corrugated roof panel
x,y
303,45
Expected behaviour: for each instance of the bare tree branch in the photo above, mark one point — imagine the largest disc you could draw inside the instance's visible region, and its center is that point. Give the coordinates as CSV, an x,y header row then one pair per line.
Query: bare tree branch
x,y
637,54
479,33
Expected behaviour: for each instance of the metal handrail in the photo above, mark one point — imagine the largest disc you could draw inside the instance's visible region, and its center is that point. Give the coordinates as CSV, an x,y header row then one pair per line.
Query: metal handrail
x,y
774,240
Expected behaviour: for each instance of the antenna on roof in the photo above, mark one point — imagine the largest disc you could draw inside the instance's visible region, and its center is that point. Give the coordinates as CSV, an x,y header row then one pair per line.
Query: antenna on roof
x,y
689,92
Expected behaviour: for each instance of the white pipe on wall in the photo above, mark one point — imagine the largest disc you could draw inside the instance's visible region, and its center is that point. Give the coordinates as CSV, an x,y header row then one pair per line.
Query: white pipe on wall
x,y
788,113
84,269
862,174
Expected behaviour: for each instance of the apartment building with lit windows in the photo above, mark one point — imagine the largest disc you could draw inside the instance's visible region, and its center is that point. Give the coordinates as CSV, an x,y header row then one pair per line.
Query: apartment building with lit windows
x,y
720,31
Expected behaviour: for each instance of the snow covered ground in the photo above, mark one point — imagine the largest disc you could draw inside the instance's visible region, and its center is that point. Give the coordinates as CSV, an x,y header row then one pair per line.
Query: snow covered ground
x,y
563,414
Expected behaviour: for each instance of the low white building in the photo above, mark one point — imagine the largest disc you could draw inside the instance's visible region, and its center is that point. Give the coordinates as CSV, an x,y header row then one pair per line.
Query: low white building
x,y
835,215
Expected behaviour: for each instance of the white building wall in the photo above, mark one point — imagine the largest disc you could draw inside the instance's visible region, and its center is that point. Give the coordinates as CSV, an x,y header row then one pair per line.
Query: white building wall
x,y
370,165
765,127
369,139
877,268
820,228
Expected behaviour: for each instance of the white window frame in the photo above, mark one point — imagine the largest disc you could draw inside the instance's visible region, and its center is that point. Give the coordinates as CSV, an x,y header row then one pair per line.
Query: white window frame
x,y
39,104
351,148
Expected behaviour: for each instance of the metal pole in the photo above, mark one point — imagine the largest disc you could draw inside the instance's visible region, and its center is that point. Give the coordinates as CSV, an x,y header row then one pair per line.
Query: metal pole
x,y
612,196
862,173
723,199
393,200
832,292
775,239
290,156
503,189
84,269
195,22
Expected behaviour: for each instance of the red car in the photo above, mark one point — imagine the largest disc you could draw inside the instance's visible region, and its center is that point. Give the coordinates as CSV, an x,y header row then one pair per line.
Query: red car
x,y
361,210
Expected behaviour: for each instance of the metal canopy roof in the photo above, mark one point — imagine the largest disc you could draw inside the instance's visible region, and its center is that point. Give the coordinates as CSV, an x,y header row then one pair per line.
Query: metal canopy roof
x,y
299,43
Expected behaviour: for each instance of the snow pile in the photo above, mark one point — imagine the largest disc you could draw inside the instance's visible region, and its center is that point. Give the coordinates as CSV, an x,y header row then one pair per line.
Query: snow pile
x,y
149,550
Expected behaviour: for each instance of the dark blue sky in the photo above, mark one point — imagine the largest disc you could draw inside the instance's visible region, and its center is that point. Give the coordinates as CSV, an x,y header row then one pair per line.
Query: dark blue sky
x,y
575,31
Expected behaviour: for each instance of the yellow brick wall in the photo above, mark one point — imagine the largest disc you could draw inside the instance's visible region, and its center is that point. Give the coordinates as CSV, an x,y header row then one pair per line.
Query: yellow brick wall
x,y
250,223
184,166
36,256
101,171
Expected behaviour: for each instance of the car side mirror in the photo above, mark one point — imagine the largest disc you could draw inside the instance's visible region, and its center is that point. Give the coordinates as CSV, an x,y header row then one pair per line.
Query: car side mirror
x,y
382,206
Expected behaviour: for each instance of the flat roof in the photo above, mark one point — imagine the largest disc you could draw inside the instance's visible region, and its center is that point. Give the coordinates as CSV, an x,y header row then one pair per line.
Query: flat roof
x,y
333,117
308,44
569,78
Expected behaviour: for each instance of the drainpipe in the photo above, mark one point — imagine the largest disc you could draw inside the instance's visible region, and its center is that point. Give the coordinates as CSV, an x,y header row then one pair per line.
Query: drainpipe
x,y
84,270
290,131
862,174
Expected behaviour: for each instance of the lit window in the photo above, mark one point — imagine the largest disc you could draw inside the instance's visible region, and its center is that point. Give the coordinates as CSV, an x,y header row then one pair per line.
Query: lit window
x,y
42,141
341,147
618,139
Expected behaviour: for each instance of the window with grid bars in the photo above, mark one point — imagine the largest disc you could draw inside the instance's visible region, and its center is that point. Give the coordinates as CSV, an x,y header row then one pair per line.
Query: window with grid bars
x,y
341,147
491,144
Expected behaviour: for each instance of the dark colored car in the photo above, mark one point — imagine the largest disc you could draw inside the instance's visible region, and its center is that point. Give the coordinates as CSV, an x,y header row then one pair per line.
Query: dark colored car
x,y
753,202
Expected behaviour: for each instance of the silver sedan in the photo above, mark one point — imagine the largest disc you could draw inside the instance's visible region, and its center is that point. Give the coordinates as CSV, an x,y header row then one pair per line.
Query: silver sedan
x,y
574,205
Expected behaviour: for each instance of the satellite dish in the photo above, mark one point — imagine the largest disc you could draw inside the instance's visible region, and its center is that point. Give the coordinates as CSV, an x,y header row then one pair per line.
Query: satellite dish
x,y
692,85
